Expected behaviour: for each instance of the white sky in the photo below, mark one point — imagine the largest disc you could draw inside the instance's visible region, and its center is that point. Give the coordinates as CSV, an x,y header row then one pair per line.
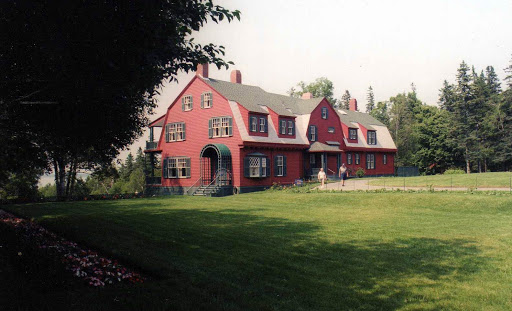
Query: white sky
x,y
386,44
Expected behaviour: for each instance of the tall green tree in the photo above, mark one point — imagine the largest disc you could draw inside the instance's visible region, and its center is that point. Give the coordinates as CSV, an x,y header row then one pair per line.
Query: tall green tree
x,y
321,87
381,113
82,75
345,100
370,97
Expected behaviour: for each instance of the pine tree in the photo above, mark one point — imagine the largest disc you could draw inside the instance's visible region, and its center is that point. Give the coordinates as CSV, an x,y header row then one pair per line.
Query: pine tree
x,y
462,113
345,100
447,97
371,100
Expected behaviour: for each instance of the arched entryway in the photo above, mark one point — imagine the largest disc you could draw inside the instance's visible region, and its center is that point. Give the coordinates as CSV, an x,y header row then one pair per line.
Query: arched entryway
x,y
215,162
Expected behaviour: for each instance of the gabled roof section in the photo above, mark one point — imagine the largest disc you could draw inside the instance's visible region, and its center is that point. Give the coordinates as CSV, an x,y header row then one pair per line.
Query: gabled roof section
x,y
158,122
366,120
320,147
254,97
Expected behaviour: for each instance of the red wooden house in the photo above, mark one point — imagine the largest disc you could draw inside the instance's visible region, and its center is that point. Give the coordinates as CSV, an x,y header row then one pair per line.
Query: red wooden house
x,y
221,137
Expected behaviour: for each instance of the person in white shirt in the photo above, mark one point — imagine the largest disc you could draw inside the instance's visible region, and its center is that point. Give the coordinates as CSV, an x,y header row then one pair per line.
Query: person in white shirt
x,y
343,174
322,177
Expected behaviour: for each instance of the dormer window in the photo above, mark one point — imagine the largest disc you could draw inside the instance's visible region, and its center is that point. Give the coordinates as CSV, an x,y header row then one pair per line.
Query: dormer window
x,y
325,113
282,127
186,103
352,134
263,125
290,128
254,124
372,138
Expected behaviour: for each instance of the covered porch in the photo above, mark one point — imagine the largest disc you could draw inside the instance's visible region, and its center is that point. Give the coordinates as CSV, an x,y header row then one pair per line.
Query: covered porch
x,y
326,156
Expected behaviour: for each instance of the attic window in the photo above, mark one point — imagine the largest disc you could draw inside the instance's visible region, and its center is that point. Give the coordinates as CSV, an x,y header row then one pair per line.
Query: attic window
x,y
330,129
372,138
325,113
186,103
206,100
352,134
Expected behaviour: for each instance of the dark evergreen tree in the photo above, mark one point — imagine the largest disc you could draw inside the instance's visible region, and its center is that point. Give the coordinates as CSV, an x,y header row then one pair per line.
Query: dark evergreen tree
x,y
370,97
345,100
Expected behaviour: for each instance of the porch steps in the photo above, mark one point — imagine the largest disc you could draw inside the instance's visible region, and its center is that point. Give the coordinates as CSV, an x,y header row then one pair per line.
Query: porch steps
x,y
208,191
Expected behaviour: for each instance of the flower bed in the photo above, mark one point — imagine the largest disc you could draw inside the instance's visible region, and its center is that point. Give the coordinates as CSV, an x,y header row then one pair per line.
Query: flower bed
x,y
83,263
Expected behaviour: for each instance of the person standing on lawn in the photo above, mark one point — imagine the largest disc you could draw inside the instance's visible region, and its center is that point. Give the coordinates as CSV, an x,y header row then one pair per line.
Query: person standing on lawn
x,y
343,174
322,177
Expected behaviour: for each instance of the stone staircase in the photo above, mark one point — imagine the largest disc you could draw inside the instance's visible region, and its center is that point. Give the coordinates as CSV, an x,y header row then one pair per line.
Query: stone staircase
x,y
209,191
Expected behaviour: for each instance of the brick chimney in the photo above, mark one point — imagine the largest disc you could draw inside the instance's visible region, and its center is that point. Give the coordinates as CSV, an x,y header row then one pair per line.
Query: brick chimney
x,y
307,95
202,70
236,76
353,104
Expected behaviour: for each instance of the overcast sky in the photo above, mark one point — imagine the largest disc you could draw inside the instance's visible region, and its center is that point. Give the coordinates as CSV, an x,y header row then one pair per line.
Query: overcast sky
x,y
355,44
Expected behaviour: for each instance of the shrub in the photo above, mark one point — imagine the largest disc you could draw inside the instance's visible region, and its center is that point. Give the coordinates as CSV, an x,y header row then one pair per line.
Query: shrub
x,y
454,171
360,172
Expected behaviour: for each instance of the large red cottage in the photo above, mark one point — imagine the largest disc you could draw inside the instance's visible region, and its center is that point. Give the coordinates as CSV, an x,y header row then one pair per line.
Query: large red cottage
x,y
221,137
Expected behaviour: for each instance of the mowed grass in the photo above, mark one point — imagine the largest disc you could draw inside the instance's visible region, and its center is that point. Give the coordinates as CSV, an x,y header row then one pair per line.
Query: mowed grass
x,y
474,180
288,251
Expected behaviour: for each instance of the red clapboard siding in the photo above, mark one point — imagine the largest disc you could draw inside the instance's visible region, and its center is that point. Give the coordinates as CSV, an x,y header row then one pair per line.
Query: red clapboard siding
x,y
323,124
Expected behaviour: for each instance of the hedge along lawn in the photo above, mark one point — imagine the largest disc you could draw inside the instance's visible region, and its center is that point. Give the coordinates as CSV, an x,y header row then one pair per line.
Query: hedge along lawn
x,y
474,180
288,251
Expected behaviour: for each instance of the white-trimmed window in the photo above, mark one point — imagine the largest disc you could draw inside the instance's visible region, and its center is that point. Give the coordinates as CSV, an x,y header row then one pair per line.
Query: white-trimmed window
x,y
280,165
177,167
372,138
349,158
186,103
220,127
175,132
370,161
312,132
352,134
282,127
206,100
385,159
357,158
263,125
254,124
256,166
290,127
325,113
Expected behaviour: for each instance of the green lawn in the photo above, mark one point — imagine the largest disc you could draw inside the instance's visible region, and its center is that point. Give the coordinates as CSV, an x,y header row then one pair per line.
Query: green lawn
x,y
289,251
476,180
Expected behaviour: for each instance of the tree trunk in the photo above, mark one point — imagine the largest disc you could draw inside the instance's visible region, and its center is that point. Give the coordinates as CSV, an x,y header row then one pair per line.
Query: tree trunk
x,y
468,166
60,178
485,165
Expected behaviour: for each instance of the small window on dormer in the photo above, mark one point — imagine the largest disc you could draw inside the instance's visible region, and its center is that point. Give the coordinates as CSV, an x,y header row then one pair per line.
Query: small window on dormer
x,y
290,128
254,124
282,127
352,134
330,129
372,138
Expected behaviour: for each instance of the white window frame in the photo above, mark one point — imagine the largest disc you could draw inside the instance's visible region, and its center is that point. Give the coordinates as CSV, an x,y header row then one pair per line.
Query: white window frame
x,y
282,127
324,113
352,133
207,100
257,167
280,165
312,132
177,167
290,127
371,137
187,103
330,129
216,128
349,158
224,124
263,122
370,161
357,158
254,124
175,131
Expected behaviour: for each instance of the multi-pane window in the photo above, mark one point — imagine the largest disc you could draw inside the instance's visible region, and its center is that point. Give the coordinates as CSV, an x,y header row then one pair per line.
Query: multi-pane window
x,y
263,123
330,129
370,161
349,158
177,167
206,100
186,102
385,159
175,132
290,127
372,138
220,127
325,113
357,158
254,124
282,127
280,165
256,166
352,134
312,132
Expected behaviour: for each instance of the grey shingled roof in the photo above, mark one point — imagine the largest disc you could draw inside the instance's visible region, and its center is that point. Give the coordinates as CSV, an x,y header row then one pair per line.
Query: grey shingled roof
x,y
254,97
319,147
358,117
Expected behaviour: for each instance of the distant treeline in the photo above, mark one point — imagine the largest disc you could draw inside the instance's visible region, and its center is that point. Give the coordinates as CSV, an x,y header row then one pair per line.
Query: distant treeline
x,y
471,129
